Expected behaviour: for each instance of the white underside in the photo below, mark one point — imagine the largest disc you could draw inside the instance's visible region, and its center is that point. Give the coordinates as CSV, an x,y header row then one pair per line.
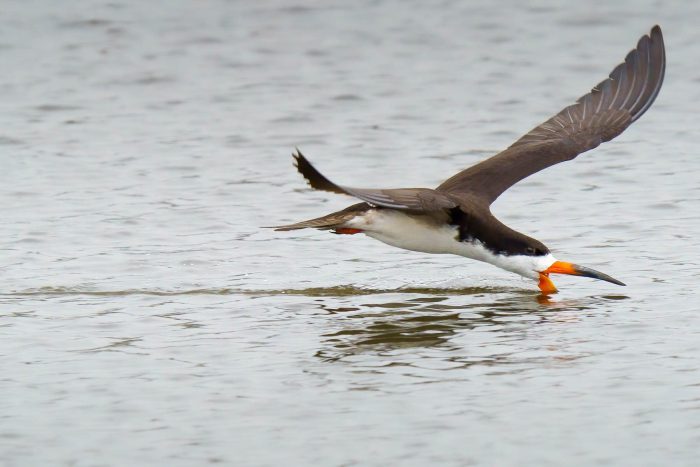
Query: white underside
x,y
421,233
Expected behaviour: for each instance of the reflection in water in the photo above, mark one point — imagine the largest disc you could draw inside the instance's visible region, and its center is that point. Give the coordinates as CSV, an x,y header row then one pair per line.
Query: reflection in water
x,y
426,322
118,344
333,291
382,321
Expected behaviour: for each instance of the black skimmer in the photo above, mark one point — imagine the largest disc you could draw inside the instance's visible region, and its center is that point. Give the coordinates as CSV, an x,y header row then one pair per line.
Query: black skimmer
x,y
455,217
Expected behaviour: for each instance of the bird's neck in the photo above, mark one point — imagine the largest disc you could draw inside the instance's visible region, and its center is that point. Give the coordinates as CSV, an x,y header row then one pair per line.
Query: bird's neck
x,y
492,233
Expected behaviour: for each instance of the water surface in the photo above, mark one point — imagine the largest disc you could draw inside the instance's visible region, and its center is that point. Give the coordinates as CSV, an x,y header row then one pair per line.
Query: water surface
x,y
146,318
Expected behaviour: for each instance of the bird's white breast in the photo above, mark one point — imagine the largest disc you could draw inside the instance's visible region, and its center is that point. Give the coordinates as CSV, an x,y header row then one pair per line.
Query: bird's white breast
x,y
417,233
424,234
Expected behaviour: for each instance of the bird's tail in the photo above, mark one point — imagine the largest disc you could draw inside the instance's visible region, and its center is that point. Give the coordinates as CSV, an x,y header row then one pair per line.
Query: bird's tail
x,y
331,221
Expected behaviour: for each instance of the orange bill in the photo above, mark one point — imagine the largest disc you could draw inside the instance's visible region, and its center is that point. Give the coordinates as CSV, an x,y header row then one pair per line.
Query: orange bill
x,y
562,267
546,285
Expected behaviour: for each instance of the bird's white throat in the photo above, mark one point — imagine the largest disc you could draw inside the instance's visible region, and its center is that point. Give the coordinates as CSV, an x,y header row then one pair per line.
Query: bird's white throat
x,y
424,234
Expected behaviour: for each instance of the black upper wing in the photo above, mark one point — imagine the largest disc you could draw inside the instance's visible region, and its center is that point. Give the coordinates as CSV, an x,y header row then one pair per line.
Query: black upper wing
x,y
598,116
408,199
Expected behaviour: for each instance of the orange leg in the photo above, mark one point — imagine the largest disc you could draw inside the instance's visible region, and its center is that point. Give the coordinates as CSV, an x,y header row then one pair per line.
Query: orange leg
x,y
347,231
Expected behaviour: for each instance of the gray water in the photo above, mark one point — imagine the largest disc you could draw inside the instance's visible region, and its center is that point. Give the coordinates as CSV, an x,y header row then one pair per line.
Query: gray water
x,y
146,318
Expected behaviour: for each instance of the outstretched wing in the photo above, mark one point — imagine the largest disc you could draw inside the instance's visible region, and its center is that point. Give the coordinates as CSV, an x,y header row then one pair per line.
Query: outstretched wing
x,y
598,116
407,199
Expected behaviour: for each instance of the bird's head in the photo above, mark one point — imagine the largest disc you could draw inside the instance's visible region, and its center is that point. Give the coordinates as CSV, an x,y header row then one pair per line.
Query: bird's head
x,y
530,258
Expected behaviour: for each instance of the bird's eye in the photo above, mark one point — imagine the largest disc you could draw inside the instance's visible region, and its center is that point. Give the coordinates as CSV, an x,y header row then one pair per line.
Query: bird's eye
x,y
530,250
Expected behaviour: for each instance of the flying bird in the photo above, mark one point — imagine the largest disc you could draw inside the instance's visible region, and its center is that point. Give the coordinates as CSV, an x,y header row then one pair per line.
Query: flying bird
x,y
455,218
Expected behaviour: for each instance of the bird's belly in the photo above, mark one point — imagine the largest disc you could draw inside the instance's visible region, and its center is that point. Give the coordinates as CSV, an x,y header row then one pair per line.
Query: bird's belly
x,y
416,233
424,234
